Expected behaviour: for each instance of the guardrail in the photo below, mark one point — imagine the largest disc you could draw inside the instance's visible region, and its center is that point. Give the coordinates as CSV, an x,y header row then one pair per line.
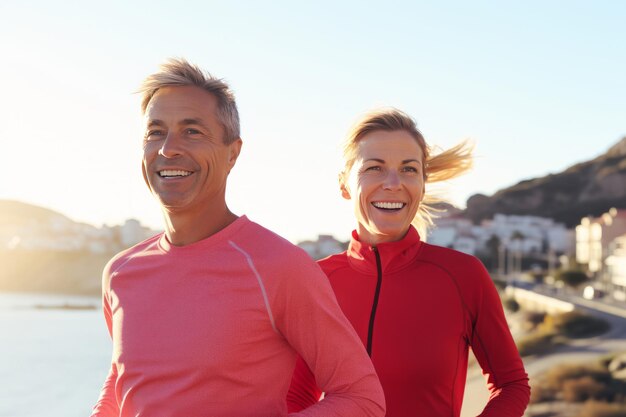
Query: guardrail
x,y
538,302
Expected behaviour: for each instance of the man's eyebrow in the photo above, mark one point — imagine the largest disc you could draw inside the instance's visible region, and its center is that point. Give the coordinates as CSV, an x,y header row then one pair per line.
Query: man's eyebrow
x,y
199,122
155,122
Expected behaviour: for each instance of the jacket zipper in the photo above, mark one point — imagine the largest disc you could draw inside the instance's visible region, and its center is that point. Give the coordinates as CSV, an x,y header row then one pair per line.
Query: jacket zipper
x,y
370,333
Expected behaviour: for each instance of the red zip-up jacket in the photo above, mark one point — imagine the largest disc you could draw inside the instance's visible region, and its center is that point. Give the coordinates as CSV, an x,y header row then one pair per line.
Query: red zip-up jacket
x,y
418,308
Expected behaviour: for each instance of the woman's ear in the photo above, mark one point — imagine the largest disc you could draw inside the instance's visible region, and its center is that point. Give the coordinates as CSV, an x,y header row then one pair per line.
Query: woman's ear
x,y
345,193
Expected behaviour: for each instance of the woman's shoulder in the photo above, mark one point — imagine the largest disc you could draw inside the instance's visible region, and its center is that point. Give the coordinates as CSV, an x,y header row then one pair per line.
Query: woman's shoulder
x,y
462,267
447,256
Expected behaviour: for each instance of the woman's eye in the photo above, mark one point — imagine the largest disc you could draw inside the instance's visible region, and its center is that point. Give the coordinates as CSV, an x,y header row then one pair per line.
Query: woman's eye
x,y
372,168
410,169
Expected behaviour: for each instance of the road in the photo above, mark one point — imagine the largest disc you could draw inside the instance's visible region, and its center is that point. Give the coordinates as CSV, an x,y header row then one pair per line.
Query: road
x,y
583,350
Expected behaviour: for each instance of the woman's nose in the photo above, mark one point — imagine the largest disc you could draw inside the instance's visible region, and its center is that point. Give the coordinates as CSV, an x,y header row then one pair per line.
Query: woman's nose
x,y
392,181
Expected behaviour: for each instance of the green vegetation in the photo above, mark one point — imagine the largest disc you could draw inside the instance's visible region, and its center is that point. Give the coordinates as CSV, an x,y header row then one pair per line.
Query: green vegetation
x,y
572,278
577,325
591,384
538,343
601,409
511,305
550,331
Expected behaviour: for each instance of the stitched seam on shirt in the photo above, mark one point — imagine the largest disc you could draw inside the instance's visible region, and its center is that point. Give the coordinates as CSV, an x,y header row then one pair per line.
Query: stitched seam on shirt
x,y
130,258
474,330
456,372
259,280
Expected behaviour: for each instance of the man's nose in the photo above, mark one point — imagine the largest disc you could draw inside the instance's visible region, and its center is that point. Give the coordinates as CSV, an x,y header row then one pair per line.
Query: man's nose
x,y
172,146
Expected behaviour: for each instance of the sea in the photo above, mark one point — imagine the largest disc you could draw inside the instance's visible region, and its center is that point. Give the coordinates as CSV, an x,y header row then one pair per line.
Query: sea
x,y
55,353
54,358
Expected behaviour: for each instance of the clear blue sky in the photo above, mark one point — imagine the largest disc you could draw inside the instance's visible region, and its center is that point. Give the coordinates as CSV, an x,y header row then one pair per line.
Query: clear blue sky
x,y
537,85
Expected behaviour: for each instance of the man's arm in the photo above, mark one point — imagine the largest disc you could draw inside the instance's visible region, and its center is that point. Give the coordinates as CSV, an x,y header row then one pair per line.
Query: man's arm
x,y
107,403
303,391
312,322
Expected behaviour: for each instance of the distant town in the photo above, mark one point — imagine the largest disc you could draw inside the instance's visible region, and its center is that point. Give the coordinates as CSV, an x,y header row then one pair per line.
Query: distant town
x,y
513,247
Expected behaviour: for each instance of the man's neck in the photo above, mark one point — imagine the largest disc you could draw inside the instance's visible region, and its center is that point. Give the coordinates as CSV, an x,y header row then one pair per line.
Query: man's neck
x,y
183,228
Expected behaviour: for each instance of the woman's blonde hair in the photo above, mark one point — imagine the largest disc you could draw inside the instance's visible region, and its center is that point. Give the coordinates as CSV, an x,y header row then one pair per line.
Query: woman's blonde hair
x,y
438,166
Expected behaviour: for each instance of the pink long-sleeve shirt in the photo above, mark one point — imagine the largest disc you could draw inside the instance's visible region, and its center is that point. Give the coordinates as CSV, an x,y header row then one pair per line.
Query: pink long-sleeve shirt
x,y
214,328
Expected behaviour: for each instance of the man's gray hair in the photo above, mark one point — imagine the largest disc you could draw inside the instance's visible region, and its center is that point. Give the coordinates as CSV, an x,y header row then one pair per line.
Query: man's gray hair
x,y
179,72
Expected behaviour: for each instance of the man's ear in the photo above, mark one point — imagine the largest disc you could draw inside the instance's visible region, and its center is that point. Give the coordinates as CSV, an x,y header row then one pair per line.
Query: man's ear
x,y
145,175
345,193
234,149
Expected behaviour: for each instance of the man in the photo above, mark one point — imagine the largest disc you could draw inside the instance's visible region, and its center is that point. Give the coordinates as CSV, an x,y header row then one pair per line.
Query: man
x,y
207,318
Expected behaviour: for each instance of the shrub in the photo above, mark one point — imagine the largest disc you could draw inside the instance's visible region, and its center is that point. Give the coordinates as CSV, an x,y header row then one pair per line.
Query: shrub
x,y
537,343
532,319
577,325
556,377
601,409
584,388
574,383
540,393
511,305
572,278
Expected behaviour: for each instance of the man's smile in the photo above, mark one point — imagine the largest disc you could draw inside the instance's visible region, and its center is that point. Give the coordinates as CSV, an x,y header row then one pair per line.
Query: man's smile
x,y
174,173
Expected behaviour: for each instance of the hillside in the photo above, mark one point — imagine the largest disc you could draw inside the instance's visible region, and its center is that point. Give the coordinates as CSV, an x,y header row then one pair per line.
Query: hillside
x,y
46,268
586,188
16,213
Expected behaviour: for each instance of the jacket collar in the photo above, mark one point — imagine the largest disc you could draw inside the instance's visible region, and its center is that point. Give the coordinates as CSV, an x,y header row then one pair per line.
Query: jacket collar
x,y
393,255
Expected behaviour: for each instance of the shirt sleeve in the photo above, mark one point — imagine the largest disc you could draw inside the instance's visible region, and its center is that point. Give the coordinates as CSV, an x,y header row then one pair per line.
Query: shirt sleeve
x,y
497,354
303,391
107,403
313,324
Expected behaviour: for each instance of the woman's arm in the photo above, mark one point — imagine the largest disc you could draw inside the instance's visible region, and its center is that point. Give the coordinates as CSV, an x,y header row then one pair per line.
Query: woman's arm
x,y
497,354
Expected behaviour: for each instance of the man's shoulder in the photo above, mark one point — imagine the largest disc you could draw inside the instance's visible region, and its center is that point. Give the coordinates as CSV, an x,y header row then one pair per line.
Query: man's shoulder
x,y
263,244
128,253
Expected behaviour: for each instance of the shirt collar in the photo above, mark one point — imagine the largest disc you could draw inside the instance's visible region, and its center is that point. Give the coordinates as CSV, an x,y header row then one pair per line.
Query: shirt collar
x,y
393,255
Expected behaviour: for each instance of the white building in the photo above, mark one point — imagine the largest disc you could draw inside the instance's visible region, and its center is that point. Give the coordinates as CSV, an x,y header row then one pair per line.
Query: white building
x,y
58,233
324,246
521,234
616,267
595,234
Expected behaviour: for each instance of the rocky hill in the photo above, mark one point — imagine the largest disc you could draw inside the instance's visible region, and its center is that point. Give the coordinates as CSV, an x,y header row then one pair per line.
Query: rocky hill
x,y
45,268
587,188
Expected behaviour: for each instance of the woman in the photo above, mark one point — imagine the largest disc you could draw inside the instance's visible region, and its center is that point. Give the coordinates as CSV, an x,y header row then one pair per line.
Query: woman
x,y
418,308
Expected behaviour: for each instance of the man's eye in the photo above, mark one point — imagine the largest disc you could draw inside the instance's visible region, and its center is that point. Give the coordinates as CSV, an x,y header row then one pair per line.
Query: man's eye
x,y
153,134
191,131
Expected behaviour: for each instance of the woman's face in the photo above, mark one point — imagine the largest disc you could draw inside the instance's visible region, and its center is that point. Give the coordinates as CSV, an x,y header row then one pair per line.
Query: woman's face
x,y
385,184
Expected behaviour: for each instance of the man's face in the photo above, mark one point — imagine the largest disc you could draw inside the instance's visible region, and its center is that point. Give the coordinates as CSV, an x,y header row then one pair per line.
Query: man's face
x,y
185,160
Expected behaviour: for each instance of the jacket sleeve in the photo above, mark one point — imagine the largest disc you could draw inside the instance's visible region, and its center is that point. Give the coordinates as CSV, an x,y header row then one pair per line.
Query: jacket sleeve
x,y
107,403
303,391
310,319
495,350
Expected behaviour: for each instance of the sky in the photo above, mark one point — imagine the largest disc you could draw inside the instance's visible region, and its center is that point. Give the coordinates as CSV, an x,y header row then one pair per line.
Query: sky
x,y
538,86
